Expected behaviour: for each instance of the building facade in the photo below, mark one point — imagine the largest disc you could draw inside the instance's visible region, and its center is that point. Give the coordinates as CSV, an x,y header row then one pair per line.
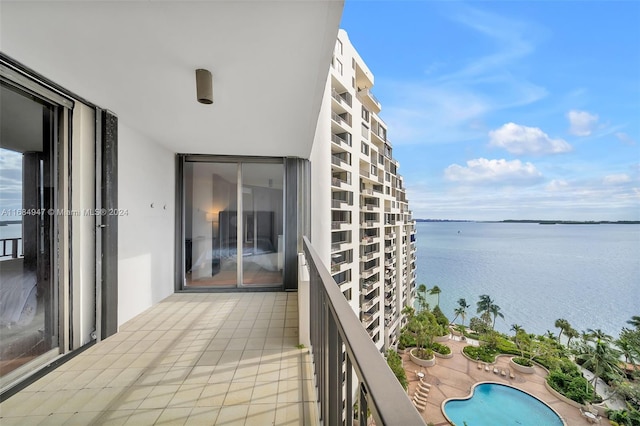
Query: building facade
x,y
373,248
124,189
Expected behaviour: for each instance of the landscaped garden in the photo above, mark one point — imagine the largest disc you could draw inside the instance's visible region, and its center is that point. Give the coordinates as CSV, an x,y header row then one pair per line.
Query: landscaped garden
x,y
592,350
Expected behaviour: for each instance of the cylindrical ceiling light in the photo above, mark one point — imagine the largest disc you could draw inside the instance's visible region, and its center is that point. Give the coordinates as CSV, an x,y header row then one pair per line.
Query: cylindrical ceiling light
x,y
204,86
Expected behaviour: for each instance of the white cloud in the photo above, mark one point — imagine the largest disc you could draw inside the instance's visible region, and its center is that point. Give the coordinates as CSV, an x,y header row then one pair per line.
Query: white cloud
x,y
519,139
481,171
557,185
616,179
625,138
452,99
581,123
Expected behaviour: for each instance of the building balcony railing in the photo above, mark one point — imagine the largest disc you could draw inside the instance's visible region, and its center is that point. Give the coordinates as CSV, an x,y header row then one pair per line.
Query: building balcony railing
x,y
341,97
342,121
12,244
367,240
336,225
368,256
335,326
367,98
340,162
340,141
337,246
368,273
339,182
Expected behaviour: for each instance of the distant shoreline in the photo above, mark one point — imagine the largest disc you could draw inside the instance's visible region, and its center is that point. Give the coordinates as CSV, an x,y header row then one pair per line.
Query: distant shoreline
x,y
541,222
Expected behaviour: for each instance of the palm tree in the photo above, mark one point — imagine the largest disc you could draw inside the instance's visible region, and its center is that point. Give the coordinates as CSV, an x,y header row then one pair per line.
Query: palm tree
x,y
563,325
598,355
571,333
635,321
627,348
484,306
495,311
422,299
436,290
461,310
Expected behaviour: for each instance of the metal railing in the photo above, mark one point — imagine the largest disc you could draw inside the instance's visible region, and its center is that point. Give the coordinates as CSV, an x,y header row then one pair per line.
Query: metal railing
x,y
333,325
13,247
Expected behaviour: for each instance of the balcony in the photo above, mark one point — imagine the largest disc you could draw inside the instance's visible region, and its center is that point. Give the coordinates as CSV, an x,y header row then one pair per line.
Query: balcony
x,y
340,141
225,358
341,98
343,120
341,161
193,358
369,100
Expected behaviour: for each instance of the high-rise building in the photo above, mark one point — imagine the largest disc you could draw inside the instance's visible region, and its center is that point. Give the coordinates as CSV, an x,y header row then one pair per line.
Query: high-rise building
x,y
372,232
165,178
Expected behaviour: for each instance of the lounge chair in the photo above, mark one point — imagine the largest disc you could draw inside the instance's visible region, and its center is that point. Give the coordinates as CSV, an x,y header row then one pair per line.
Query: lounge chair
x,y
419,407
486,367
479,365
423,385
419,404
495,370
503,373
420,398
511,375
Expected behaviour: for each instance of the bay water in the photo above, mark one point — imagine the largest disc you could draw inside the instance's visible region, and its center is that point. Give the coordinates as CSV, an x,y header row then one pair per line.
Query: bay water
x,y
586,274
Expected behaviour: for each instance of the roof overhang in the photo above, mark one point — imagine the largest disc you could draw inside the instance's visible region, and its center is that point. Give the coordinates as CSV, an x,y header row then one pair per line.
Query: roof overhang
x,y
269,61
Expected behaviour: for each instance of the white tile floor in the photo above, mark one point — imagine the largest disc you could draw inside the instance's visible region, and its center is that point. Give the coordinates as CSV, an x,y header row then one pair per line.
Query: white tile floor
x,y
192,359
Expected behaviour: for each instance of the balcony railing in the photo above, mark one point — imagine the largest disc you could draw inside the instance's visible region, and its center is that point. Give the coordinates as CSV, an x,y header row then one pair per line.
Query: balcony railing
x,y
12,245
335,324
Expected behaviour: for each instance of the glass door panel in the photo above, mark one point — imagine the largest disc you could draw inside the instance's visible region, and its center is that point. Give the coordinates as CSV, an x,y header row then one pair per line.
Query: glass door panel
x,y
28,300
211,224
262,223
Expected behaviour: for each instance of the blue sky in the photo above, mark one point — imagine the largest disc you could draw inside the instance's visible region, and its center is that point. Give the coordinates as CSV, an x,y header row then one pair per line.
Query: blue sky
x,y
508,109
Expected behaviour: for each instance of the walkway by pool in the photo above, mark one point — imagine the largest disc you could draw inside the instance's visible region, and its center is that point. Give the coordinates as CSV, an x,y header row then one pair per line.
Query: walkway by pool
x,y
454,377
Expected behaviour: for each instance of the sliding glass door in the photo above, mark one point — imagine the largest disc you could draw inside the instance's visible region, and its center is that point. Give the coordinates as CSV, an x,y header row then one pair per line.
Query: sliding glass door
x,y
262,205
222,247
28,295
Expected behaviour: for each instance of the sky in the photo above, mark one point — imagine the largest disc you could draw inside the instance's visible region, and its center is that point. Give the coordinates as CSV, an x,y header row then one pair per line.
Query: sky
x,y
508,109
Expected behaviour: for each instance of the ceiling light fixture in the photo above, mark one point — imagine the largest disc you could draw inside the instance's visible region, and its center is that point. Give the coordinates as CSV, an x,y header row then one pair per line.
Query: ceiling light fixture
x,y
204,86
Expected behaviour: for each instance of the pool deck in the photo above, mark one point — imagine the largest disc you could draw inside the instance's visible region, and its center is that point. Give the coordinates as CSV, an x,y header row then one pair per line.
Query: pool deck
x,y
454,377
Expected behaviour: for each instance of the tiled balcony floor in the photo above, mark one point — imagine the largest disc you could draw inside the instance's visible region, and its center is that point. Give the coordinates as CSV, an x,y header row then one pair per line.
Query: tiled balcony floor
x,y
192,359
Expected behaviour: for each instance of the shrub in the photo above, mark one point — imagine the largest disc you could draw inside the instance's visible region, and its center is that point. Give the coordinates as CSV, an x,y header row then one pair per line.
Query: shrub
x,y
441,349
440,317
406,340
482,353
395,363
478,325
523,361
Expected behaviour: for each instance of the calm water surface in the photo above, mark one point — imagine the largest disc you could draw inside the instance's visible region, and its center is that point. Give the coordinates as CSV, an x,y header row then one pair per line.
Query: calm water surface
x,y
587,274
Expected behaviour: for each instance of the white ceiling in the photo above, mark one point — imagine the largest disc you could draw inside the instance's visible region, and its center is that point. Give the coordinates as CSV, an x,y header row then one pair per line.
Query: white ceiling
x,y
269,61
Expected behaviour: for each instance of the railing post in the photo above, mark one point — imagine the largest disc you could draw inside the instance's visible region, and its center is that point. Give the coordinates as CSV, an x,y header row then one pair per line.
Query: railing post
x,y
335,373
14,248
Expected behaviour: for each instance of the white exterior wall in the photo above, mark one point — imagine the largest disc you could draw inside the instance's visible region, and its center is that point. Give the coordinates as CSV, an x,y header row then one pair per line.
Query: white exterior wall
x,y
350,75
320,181
146,176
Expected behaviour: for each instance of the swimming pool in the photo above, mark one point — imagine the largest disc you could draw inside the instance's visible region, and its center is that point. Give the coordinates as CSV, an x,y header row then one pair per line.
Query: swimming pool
x,y
494,404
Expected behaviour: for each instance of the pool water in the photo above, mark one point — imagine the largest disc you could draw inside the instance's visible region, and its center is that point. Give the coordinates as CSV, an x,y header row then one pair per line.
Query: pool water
x,y
494,404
